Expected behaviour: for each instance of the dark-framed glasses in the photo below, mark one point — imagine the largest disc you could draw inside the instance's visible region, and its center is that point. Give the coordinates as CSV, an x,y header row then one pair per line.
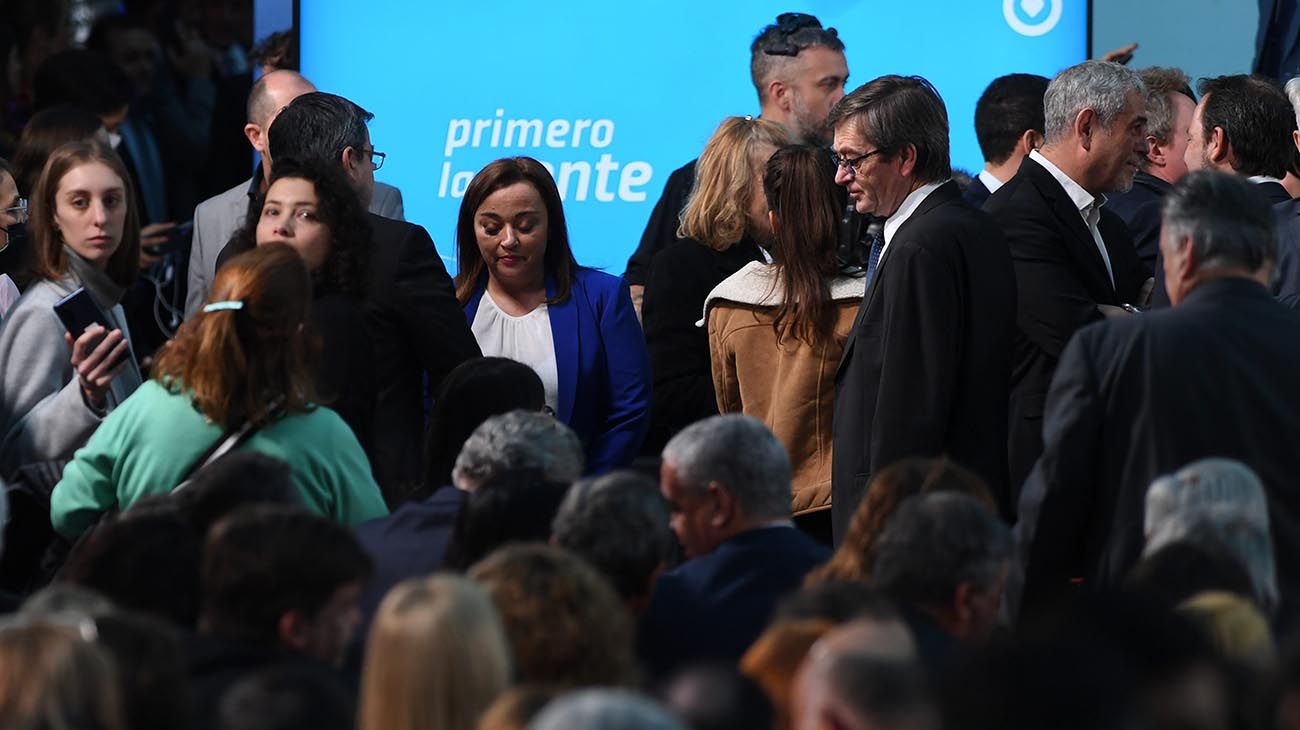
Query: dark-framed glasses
x,y
377,158
851,165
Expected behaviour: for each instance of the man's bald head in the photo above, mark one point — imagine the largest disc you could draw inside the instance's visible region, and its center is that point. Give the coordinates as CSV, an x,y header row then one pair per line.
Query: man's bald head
x,y
883,638
863,674
273,92
268,96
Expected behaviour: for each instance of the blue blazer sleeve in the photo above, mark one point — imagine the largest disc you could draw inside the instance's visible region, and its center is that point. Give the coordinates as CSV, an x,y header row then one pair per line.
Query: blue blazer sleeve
x,y
604,369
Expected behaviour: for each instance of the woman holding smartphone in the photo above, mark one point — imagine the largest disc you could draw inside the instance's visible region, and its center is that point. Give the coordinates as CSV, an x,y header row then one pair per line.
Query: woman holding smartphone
x,y
54,390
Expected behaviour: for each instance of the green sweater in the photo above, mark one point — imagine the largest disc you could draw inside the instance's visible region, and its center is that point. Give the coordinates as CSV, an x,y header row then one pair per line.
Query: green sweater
x,y
145,445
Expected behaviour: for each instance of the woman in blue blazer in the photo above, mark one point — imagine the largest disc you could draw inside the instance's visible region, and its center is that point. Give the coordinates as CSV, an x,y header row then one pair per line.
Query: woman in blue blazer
x,y
527,299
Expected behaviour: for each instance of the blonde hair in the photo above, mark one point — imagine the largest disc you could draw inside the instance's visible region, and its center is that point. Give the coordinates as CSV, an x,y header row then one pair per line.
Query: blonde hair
x,y
436,657
51,677
726,176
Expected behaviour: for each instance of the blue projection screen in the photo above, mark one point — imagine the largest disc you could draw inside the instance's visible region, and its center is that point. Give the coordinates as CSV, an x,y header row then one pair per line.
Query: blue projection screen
x,y
614,96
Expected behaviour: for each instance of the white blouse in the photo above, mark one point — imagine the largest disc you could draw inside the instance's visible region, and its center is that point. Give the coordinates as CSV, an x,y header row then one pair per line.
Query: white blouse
x,y
526,339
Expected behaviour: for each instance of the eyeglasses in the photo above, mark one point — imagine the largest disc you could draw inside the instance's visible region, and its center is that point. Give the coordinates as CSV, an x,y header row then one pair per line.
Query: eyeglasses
x,y
850,166
18,213
14,231
377,158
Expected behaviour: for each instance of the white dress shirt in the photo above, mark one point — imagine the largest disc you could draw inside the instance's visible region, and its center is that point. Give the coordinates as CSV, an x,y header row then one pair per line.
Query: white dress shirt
x,y
905,211
1088,205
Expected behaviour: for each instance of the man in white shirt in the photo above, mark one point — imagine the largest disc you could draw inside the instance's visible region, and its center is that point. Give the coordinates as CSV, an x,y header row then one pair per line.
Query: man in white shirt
x,y
1008,125
1074,259
926,367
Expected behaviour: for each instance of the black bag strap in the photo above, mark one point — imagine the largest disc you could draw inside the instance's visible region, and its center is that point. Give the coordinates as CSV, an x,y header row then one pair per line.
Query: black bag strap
x,y
229,441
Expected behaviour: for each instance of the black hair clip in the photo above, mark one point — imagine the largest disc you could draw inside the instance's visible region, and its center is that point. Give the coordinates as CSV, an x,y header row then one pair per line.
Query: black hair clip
x,y
787,24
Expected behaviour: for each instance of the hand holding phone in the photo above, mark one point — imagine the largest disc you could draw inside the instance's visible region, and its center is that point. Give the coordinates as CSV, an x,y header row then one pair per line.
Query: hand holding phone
x,y
98,356
98,351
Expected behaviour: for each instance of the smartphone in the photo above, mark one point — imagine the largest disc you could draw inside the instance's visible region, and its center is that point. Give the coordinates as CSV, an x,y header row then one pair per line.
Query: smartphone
x,y
78,311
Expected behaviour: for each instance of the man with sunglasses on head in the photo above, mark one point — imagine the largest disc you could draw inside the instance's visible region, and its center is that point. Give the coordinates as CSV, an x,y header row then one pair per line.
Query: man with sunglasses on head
x,y
926,368
799,72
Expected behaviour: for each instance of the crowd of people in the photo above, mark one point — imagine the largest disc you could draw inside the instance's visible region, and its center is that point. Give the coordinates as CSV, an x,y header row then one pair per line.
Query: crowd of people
x,y
858,440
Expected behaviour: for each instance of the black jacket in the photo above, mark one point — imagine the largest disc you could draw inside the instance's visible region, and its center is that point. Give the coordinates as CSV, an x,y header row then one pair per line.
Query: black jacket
x,y
711,608
1140,397
925,369
680,279
1140,209
1060,280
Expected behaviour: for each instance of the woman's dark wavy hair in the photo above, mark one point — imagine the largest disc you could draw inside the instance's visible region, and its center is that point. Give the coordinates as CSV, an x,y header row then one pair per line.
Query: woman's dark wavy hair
x,y
558,260
348,263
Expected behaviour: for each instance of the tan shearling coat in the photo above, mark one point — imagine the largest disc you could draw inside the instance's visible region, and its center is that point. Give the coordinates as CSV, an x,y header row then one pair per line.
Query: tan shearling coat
x,y
788,385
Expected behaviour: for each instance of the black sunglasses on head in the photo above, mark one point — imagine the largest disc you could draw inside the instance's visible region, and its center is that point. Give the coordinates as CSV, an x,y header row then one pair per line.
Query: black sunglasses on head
x,y
787,24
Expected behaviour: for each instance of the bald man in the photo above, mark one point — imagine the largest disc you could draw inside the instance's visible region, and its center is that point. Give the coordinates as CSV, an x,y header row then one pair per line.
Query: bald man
x,y
217,218
863,676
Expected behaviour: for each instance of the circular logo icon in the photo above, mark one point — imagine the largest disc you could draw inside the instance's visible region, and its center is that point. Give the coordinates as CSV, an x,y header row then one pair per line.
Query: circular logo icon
x,y
1032,17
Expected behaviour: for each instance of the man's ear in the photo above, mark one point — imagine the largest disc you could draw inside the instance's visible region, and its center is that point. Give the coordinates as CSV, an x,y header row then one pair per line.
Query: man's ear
x,y
1217,148
1155,151
348,158
906,157
1188,262
963,603
1085,125
1031,140
293,630
254,134
724,505
779,92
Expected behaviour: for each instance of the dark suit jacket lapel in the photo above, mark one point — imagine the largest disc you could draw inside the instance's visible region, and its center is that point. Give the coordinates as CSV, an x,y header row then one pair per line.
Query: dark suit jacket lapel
x,y
1063,207
943,194
564,335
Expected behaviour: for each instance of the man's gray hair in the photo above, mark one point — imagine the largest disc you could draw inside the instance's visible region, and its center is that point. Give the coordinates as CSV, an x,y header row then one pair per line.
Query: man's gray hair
x,y
619,522
740,453
1216,504
604,709
1293,95
1101,86
936,542
1228,223
519,441
1161,83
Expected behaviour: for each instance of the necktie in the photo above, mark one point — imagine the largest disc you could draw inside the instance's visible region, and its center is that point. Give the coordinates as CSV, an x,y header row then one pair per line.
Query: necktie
x,y
877,245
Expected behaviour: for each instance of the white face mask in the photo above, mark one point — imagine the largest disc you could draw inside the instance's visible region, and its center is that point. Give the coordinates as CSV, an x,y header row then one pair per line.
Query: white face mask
x,y
114,139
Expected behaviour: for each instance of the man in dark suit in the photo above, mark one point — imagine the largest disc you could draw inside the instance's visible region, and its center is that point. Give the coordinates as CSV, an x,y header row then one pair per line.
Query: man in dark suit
x,y
727,482
926,365
1277,40
1142,396
1008,125
1070,253
1170,106
416,325
1244,125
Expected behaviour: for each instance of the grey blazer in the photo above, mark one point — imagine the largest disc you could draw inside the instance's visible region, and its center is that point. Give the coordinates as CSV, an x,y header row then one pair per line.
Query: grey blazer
x,y
43,415
217,218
